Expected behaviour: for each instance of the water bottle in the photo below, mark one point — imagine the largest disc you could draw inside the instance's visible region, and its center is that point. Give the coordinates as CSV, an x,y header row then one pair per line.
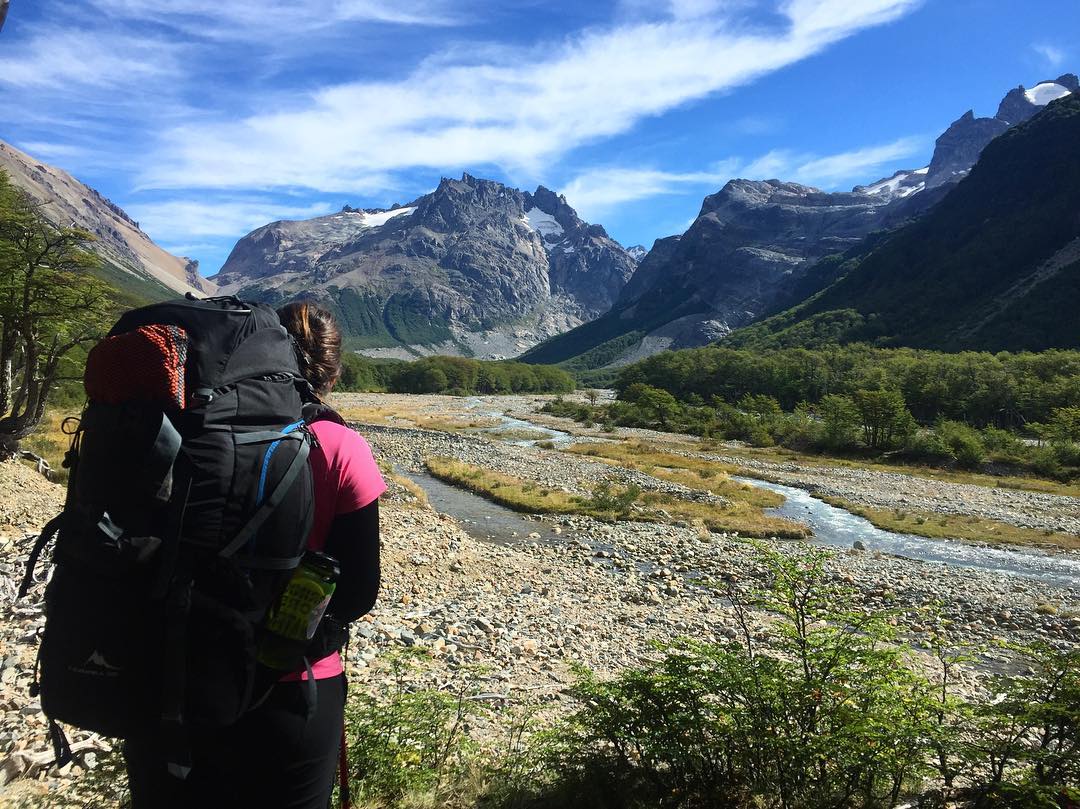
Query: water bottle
x,y
292,620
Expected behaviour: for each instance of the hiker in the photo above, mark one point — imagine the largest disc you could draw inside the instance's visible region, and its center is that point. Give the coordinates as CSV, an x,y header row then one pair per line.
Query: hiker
x,y
277,755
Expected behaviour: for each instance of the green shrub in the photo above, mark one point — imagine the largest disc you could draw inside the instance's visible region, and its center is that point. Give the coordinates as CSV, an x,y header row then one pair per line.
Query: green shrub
x,y
963,441
830,716
605,497
405,741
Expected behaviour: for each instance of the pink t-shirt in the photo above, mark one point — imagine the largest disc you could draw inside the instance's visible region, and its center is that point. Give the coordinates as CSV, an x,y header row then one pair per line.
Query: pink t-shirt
x,y
345,479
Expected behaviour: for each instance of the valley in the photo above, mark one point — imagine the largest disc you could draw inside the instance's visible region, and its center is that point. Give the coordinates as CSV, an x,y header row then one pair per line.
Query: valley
x,y
503,604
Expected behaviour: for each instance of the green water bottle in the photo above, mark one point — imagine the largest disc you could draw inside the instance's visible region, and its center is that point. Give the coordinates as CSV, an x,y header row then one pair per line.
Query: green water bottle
x,y
292,620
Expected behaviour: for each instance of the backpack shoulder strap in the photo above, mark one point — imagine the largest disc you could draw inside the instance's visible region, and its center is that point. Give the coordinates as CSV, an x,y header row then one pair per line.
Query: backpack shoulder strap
x,y
320,411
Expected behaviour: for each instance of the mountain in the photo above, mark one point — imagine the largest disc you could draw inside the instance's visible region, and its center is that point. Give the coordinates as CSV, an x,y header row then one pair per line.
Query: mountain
x,y
994,266
638,252
130,259
758,247
474,268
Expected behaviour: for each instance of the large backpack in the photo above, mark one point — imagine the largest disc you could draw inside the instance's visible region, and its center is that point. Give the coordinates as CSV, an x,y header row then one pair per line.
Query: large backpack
x,y
188,506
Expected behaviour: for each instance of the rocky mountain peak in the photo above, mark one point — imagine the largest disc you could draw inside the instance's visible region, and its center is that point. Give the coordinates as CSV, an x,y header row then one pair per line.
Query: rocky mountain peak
x,y
475,266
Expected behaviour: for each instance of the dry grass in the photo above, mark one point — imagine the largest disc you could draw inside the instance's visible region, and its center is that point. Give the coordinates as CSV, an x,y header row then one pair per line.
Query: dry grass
x,y
780,455
521,495
950,526
49,441
692,472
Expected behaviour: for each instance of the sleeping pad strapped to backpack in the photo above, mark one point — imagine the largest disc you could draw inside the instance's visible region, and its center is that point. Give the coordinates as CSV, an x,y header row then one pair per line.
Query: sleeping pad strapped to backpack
x,y
188,506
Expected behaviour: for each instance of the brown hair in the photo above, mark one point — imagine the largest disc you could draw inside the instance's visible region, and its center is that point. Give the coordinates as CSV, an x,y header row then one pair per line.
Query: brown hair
x,y
318,343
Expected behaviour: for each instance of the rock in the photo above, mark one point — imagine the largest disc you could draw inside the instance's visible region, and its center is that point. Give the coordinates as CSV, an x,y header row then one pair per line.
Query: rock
x,y
858,545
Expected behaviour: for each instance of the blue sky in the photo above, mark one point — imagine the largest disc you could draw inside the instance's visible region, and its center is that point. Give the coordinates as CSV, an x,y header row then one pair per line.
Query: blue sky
x,y
207,118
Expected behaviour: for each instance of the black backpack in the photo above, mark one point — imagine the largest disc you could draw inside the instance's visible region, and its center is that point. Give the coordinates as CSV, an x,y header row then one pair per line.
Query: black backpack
x,y
181,527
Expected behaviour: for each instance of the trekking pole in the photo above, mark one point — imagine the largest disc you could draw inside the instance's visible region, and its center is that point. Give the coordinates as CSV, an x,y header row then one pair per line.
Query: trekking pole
x,y
343,771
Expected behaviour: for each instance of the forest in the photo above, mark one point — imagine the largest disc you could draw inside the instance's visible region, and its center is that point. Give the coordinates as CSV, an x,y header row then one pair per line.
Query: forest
x,y
458,376
1021,411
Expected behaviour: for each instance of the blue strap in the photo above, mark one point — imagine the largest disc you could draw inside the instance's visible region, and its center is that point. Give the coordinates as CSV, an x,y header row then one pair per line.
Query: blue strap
x,y
266,461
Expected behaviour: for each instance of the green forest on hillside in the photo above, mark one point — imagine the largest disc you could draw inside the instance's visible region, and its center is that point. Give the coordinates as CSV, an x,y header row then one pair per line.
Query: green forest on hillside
x,y
993,266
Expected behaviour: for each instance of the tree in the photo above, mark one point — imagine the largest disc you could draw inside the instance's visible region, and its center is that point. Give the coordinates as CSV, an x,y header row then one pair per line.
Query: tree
x,y
840,420
49,304
884,416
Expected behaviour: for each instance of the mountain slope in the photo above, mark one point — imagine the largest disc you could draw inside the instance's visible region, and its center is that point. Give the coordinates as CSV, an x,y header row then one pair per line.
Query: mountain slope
x,y
756,247
994,266
129,258
474,268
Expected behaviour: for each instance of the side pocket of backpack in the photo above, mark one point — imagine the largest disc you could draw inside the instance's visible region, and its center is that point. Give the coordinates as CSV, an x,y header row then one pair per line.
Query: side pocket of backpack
x,y
99,652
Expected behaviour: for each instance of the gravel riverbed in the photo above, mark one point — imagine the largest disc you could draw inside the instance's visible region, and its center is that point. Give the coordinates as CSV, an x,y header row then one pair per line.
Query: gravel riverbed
x,y
506,620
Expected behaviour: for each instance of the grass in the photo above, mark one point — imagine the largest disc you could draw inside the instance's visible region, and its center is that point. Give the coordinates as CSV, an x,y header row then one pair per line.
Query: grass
x,y
781,455
968,528
50,443
692,472
520,495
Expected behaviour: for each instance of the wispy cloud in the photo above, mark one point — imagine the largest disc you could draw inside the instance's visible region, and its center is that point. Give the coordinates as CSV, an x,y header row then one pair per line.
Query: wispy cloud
x,y
71,60
1053,56
253,19
181,220
518,112
833,170
597,191
857,164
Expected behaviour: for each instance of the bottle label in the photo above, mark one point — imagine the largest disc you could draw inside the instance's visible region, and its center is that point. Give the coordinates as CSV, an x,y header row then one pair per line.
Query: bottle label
x,y
302,603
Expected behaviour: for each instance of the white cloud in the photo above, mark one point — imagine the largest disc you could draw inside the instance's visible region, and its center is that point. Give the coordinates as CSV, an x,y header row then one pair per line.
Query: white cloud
x,y
519,111
596,191
832,170
1053,56
175,220
64,59
254,19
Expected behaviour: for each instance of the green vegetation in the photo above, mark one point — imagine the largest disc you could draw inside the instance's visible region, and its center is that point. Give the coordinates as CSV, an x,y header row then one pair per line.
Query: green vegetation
x,y
833,712
406,742
1002,390
972,272
609,502
952,526
459,376
52,304
1018,412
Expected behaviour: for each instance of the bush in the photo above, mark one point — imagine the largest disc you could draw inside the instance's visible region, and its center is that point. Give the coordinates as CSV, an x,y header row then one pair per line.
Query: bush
x,y
832,713
964,443
404,741
832,717
607,498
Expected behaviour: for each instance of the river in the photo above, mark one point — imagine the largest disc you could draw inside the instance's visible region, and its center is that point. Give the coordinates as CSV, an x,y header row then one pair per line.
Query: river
x,y
833,527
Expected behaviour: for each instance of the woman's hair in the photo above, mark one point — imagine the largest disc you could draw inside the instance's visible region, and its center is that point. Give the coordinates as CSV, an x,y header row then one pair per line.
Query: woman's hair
x,y
318,343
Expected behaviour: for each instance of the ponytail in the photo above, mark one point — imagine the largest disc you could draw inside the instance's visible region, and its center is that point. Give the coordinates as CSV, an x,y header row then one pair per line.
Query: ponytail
x,y
318,343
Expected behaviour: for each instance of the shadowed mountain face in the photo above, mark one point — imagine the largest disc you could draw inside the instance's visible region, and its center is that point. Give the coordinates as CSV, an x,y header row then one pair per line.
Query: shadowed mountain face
x,y
474,267
756,247
130,259
994,266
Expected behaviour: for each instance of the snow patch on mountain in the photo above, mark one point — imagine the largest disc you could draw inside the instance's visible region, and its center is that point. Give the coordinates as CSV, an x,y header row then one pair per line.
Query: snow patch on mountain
x,y
377,219
900,185
1042,94
543,223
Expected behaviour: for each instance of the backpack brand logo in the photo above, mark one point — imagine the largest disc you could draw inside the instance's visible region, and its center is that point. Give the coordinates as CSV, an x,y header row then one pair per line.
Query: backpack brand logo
x,y
97,666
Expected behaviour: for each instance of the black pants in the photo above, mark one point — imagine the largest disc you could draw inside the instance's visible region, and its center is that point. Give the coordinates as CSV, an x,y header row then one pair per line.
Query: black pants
x,y
274,758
